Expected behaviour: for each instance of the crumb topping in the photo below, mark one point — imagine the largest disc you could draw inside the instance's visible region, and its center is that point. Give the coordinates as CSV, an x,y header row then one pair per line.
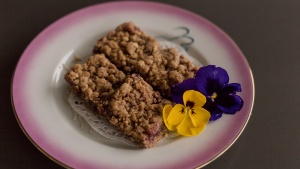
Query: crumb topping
x,y
95,79
132,51
136,109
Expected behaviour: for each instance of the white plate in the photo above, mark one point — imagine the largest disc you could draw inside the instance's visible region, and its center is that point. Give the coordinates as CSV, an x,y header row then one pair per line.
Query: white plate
x,y
38,87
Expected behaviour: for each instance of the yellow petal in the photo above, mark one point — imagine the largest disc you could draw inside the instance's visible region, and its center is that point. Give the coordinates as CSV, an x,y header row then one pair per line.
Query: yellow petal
x,y
199,117
196,131
176,115
166,112
186,128
194,96
186,96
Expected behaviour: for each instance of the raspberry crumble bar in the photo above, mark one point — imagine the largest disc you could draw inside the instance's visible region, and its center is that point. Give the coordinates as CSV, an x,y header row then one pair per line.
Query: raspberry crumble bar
x,y
95,80
132,51
136,109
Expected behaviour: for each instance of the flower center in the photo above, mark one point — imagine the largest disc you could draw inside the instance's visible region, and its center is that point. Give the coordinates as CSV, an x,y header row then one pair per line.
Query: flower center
x,y
214,95
188,110
190,104
189,107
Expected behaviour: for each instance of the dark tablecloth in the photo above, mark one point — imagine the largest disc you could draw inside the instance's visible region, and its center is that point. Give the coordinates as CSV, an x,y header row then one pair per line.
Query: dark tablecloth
x,y
266,31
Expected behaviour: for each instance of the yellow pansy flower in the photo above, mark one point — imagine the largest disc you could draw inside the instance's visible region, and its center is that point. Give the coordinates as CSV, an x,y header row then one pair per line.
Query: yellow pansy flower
x,y
188,119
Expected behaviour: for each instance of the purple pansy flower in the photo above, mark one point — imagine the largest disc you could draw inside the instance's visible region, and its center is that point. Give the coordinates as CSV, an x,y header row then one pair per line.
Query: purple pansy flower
x,y
178,89
212,82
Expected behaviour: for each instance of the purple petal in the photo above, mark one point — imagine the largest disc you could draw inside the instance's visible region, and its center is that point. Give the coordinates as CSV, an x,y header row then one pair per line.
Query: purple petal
x,y
210,79
215,116
229,104
178,89
231,88
214,110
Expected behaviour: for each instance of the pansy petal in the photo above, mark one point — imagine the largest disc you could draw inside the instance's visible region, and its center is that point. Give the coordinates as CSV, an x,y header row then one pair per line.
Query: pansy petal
x,y
166,112
198,98
216,115
177,90
231,88
186,96
229,104
176,115
186,128
192,98
210,79
215,111
199,117
197,130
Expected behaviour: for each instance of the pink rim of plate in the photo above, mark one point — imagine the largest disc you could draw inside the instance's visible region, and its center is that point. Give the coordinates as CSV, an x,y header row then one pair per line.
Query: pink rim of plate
x,y
64,159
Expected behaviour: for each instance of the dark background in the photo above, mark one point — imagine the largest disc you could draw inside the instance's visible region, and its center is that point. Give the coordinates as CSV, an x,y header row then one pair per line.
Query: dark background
x,y
268,33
